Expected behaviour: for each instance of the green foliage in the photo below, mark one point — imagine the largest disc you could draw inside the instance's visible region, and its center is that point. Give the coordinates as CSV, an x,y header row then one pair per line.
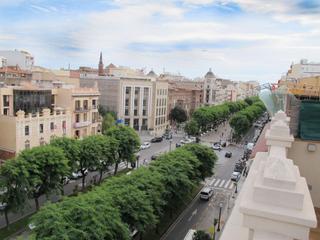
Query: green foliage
x,y
206,156
14,183
107,122
192,128
249,101
243,119
71,149
134,201
178,114
46,166
129,143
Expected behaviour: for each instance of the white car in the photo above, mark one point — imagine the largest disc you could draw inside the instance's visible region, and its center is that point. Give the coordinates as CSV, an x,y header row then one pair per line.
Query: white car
x,y
76,175
235,176
216,146
145,145
206,193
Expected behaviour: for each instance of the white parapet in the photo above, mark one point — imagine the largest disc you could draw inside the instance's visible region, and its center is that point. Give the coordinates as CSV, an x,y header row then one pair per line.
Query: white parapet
x,y
275,201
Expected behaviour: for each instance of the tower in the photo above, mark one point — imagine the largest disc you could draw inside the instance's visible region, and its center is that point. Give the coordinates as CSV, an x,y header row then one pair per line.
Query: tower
x,y
101,70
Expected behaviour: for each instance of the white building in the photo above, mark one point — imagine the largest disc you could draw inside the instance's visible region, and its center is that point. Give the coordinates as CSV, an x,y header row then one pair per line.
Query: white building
x,y
3,62
302,69
23,59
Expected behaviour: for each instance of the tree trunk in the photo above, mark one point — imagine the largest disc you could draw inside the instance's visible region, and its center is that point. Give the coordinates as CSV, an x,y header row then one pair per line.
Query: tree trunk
x,y
100,178
36,200
6,217
83,181
115,169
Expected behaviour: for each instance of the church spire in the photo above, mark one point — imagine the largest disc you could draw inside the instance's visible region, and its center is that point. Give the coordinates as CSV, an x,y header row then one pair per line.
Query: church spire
x,y
101,69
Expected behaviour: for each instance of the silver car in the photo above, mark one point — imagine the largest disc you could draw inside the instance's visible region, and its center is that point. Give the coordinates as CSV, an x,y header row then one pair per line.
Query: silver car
x,y
206,193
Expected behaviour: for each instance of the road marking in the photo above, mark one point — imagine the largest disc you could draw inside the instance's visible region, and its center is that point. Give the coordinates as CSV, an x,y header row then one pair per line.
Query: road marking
x,y
193,214
227,184
217,182
222,182
212,181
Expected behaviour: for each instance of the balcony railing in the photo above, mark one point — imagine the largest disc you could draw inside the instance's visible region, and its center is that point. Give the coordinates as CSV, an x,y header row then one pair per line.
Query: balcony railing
x,y
81,124
79,109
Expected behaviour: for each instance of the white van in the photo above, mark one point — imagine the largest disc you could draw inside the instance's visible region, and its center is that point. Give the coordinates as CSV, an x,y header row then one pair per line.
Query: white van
x,y
190,234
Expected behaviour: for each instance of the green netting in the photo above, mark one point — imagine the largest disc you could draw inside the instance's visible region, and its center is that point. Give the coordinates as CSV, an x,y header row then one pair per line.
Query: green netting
x,y
309,123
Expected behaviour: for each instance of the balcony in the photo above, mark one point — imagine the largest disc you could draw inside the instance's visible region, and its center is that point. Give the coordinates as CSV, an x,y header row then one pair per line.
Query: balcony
x,y
81,124
81,110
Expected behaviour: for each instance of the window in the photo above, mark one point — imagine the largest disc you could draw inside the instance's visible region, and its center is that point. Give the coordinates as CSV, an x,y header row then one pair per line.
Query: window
x,y
137,90
77,134
144,112
94,103
136,102
5,111
77,118
42,142
41,127
52,126
127,102
127,121
27,144
126,112
85,104
84,117
5,100
136,112
77,104
127,90
26,130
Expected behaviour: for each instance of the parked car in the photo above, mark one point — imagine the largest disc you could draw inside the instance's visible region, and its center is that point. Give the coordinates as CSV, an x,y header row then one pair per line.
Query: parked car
x,y
190,234
156,139
76,175
216,146
228,154
66,180
239,167
155,156
167,136
185,141
235,176
178,145
193,139
206,193
145,145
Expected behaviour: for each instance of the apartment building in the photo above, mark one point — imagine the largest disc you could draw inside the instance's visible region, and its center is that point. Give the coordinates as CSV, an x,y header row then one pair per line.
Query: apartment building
x,y
14,75
186,93
83,105
28,119
302,69
22,59
140,102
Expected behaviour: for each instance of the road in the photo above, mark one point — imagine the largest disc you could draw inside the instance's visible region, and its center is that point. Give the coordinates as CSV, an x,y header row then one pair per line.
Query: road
x,y
200,214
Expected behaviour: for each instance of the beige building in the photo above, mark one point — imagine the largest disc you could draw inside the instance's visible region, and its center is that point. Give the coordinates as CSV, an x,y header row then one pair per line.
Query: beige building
x,y
27,119
83,105
31,116
140,102
186,94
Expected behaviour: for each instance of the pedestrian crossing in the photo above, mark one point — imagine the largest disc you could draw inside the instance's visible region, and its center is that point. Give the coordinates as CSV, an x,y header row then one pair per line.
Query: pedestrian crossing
x,y
220,183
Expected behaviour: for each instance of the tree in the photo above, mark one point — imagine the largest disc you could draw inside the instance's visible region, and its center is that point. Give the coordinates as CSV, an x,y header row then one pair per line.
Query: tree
x,y
129,143
107,122
79,218
240,124
91,153
109,154
201,235
206,157
46,166
71,149
192,128
178,114
13,183
249,101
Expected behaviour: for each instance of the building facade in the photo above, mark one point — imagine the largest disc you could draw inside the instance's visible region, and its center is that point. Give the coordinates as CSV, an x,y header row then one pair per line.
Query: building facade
x,y
14,75
22,59
186,94
139,102
302,69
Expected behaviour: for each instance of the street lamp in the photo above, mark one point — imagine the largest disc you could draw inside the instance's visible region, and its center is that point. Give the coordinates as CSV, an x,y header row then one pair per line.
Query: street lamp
x,y
220,208
170,141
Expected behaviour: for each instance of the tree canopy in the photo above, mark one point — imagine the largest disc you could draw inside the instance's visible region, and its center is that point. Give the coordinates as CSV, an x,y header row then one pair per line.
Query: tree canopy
x,y
178,114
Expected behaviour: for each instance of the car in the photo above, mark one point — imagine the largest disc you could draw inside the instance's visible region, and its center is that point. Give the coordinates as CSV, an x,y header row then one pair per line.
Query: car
x,y
206,193
155,156
76,175
250,146
216,146
190,234
235,176
193,139
145,145
156,139
178,145
185,141
167,136
228,154
238,168
65,180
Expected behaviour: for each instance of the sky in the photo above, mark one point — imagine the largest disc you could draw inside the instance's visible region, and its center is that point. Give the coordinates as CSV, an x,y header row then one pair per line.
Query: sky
x,y
239,39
